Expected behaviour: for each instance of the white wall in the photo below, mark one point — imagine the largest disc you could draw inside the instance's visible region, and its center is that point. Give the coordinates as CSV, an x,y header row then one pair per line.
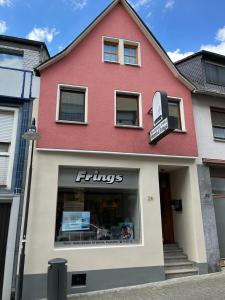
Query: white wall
x,y
207,146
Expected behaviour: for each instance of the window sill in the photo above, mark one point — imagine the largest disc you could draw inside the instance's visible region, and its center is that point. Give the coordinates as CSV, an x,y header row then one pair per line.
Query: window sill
x,y
219,140
180,131
129,127
133,65
71,122
111,62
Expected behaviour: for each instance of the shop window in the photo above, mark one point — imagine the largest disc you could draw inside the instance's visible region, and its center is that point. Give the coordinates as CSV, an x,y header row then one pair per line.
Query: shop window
x,y
111,51
72,104
215,74
130,54
107,213
218,123
127,109
11,60
175,111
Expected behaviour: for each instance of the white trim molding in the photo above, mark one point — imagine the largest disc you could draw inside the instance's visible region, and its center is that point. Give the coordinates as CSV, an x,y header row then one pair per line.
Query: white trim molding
x,y
72,87
116,153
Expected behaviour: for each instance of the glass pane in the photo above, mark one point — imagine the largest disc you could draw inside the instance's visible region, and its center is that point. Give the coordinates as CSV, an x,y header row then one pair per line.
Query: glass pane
x,y
110,48
211,73
110,57
4,147
11,60
130,60
219,132
130,51
221,75
218,118
174,111
97,216
218,185
127,110
72,105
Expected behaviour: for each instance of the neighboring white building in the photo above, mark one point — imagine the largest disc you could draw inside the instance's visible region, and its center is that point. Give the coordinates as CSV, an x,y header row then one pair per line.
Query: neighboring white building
x,y
18,88
206,71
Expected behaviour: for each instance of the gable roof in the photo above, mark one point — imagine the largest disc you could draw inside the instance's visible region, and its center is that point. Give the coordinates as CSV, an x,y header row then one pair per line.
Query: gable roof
x,y
139,23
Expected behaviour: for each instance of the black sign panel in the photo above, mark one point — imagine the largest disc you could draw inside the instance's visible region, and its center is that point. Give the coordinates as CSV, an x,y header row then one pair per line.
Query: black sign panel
x,y
163,123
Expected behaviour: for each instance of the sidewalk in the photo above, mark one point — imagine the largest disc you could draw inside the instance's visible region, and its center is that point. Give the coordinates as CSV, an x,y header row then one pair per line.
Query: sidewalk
x,y
204,287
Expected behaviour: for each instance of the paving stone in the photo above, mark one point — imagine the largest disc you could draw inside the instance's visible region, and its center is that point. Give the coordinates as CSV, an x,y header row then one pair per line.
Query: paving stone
x,y
204,287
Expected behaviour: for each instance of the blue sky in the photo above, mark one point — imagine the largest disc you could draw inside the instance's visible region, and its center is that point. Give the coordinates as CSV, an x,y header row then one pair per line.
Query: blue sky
x,y
182,27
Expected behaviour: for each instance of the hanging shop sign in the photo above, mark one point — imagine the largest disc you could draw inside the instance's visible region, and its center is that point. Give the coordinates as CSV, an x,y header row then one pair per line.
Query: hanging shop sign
x,y
162,122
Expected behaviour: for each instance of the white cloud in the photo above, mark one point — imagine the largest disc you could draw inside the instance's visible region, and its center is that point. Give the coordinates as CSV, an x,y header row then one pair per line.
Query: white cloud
x,y
5,2
177,55
220,47
140,3
169,4
42,34
3,27
77,4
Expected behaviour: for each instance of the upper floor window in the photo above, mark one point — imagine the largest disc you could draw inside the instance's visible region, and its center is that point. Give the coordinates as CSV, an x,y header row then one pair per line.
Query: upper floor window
x,y
130,54
218,123
110,51
72,104
128,109
11,60
175,111
7,142
121,51
215,74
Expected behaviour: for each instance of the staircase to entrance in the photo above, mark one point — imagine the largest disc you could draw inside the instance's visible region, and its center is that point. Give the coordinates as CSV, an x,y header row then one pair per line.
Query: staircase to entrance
x,y
176,262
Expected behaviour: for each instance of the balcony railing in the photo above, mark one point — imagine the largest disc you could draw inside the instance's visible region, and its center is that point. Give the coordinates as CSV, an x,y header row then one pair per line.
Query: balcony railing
x,y
16,83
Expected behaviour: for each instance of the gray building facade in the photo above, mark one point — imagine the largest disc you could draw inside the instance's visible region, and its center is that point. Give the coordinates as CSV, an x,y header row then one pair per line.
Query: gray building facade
x,y
19,87
206,71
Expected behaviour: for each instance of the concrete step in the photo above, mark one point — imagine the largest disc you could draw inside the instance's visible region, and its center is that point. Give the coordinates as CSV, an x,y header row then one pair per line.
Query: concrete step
x,y
173,251
175,259
178,265
176,273
174,255
170,246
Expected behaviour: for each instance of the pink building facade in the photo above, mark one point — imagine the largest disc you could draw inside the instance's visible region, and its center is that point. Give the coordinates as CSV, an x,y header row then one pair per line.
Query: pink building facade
x,y
103,197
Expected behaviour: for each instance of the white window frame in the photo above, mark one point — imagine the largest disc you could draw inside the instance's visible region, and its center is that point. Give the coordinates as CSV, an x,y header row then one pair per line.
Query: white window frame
x,y
182,115
75,87
139,108
11,153
121,44
136,44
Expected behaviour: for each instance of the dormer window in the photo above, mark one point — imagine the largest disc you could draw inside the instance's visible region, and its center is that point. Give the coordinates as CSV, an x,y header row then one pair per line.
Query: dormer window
x,y
215,74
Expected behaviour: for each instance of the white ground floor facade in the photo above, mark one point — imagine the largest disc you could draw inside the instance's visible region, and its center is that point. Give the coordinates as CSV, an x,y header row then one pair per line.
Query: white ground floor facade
x,y
105,214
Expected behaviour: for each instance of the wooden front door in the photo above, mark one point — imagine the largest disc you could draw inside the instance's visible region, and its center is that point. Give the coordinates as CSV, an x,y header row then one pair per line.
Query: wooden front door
x,y
4,226
166,209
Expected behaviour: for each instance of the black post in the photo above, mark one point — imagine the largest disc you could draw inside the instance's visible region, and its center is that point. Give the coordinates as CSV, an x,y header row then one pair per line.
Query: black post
x,y
19,292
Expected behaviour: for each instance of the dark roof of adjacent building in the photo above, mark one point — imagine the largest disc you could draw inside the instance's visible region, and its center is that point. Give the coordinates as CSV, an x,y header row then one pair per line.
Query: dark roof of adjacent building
x,y
193,68
23,41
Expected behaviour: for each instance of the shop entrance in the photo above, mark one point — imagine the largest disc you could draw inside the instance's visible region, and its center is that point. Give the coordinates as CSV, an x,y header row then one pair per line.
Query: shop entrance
x,y
4,226
166,208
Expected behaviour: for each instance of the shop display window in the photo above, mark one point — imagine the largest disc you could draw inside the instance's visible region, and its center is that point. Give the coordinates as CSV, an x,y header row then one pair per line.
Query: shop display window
x,y
97,216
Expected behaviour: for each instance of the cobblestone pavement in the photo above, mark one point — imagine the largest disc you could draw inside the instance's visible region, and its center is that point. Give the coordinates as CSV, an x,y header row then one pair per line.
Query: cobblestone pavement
x,y
204,287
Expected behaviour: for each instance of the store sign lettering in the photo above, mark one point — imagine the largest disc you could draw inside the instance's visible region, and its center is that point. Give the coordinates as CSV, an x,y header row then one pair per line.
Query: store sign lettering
x,y
84,176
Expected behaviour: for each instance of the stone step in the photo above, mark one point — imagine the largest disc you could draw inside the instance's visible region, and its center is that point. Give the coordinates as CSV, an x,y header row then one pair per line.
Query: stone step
x,y
173,251
166,246
176,273
178,265
174,254
175,259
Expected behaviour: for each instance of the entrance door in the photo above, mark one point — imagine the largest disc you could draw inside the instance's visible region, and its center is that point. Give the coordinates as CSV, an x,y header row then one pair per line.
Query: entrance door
x,y
4,226
166,209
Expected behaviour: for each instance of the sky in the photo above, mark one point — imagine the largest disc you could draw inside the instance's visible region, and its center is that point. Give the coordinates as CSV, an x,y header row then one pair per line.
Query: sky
x,y
182,27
